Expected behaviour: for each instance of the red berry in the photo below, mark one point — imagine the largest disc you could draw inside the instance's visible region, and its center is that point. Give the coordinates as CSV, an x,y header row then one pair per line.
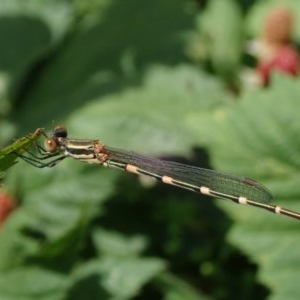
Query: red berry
x,y
7,205
285,60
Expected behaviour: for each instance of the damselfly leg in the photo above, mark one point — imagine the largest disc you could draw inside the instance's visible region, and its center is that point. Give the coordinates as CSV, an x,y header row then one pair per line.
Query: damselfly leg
x,y
44,161
49,155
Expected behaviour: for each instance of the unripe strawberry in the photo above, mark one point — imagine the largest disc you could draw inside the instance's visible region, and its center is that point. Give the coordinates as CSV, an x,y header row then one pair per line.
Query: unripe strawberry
x,y
278,27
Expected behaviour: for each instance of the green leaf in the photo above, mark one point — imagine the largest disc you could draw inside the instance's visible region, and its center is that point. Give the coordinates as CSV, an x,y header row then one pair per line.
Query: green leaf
x,y
177,289
15,246
34,27
121,272
110,64
258,137
32,282
123,279
110,243
57,16
128,120
222,24
9,154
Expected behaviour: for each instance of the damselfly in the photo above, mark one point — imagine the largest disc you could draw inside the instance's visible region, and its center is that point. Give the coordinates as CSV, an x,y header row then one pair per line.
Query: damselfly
x,y
241,190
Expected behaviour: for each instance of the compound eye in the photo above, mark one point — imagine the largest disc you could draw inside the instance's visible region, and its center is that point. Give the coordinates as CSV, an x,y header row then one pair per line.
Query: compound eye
x,y
60,131
50,145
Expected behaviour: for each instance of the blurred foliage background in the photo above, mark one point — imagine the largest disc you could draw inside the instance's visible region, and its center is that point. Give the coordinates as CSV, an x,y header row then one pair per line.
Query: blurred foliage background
x,y
163,78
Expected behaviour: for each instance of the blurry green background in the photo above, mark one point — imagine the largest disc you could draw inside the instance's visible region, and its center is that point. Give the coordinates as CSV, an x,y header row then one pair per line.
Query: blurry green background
x,y
159,77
